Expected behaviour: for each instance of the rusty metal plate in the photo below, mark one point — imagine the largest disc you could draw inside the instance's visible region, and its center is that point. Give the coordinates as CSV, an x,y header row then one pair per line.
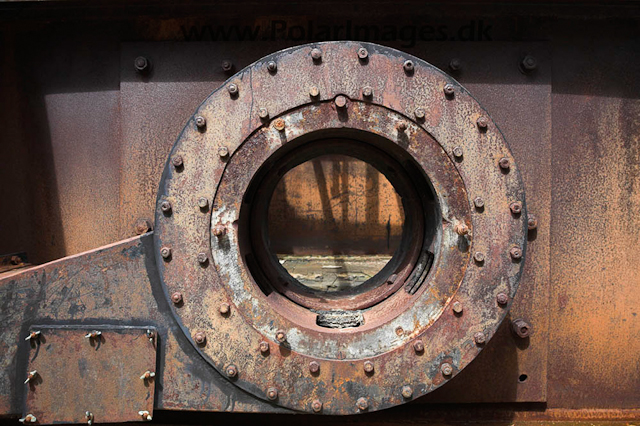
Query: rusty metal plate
x,y
415,342
104,374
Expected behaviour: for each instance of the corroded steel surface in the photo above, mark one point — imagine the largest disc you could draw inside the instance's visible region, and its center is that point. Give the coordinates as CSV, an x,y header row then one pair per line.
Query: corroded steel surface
x,y
475,154
98,373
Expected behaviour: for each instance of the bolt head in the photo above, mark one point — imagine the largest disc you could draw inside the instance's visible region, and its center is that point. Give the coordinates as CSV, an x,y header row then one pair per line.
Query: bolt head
x,y
521,328
480,338
401,126
341,101
479,203
418,346
363,53
225,308
529,63
203,203
176,297
263,113
141,64
478,257
367,92
281,336
264,347
316,54
314,92
201,122
272,393
219,230
232,371
279,124
532,222
461,229
202,258
165,206
314,367
457,152
446,369
504,163
165,252
227,65
362,404
408,66
368,367
177,162
223,152
455,64
448,89
515,253
516,207
316,406
143,226
457,307
272,66
419,113
407,392
233,89
482,122
200,337
502,299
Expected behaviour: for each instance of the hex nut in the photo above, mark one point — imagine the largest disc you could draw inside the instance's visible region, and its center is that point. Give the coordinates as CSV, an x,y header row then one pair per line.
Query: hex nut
x,y
532,222
203,203
177,162
449,89
407,392
478,202
272,393
455,64
401,126
165,252
281,336
316,54
219,230
200,337
316,406
480,338
418,346
367,92
314,92
264,347
482,122
529,63
165,206
363,53
223,152
232,371
515,253
521,328
502,299
143,226
516,207
461,229
176,297
368,367
408,66
201,122
314,367
224,308
362,404
279,124
340,101
202,258
272,66
446,369
227,66
478,257
263,113
233,89
504,163
141,64
457,307
457,152
419,113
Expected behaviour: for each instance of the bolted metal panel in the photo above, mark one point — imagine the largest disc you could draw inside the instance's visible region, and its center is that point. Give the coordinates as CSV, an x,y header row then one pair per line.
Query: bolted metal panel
x,y
99,373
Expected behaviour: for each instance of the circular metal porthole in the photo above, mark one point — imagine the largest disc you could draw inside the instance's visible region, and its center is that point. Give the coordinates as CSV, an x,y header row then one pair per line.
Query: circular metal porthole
x,y
417,322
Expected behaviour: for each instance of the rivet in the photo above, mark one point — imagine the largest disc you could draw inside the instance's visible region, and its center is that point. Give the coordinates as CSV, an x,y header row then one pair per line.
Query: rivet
x,y
480,338
408,66
264,347
314,92
263,113
225,308
279,124
227,66
165,206
33,335
419,113
455,64
341,101
314,367
502,299
281,336
143,226
461,229
202,258
316,406
478,257
147,375
532,222
145,415
176,297
418,346
272,393
233,89
478,202
200,337
448,89
232,371
363,53
482,122
219,230
516,207
165,252
446,369
29,418
457,307
521,328
201,122
515,253
401,126
223,152
176,160
31,376
141,64
367,92
504,163
457,152
529,63
203,203
316,54
272,67
362,404
407,392
368,367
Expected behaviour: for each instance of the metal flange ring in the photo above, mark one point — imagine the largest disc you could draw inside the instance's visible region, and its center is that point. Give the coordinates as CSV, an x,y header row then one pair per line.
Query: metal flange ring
x,y
463,243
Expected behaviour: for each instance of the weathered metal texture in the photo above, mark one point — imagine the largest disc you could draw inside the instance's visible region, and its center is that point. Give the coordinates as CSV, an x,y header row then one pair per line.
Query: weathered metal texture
x,y
230,338
118,285
97,373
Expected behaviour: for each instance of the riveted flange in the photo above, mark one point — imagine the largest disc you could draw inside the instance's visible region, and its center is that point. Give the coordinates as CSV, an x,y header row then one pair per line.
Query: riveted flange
x,y
435,269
